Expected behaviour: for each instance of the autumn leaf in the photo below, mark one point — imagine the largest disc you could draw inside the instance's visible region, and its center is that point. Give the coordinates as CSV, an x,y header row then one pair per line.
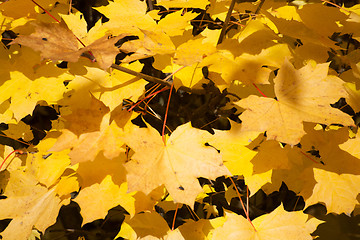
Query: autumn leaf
x,y
184,158
302,55
338,192
111,195
133,11
351,146
152,43
279,224
86,138
59,43
26,83
303,95
175,23
232,145
39,209
146,225
30,204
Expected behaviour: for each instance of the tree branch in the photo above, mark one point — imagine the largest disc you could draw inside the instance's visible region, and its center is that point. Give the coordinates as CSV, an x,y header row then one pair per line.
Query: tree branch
x,y
226,23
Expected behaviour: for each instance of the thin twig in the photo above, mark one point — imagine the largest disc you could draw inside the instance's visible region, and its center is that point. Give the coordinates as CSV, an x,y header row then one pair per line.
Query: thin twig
x,y
141,75
226,23
150,5
259,7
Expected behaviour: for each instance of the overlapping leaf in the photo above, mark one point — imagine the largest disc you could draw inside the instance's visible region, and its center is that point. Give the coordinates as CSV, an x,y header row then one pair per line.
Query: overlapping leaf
x,y
303,95
182,160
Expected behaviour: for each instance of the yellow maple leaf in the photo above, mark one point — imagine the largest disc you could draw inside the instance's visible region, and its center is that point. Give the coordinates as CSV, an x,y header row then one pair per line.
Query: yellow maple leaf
x,y
330,16
25,83
298,30
189,76
175,23
146,225
152,43
88,132
338,192
44,172
193,51
127,16
232,145
184,158
40,210
247,68
96,200
303,95
29,205
352,146
151,226
77,25
279,224
188,58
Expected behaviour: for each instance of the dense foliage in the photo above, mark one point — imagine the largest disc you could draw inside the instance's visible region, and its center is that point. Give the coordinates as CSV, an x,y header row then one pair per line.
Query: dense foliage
x,y
182,119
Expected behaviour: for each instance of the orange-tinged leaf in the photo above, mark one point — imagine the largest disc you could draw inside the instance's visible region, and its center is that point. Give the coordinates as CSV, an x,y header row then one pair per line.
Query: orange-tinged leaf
x,y
96,200
184,158
303,95
59,43
338,192
279,224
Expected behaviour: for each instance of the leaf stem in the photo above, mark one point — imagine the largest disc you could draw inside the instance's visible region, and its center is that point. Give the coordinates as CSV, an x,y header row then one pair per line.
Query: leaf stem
x,y
309,157
45,11
15,151
242,204
259,90
335,5
173,223
148,96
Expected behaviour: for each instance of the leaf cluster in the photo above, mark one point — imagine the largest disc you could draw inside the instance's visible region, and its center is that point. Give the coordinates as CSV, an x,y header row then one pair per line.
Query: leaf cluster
x,y
194,119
